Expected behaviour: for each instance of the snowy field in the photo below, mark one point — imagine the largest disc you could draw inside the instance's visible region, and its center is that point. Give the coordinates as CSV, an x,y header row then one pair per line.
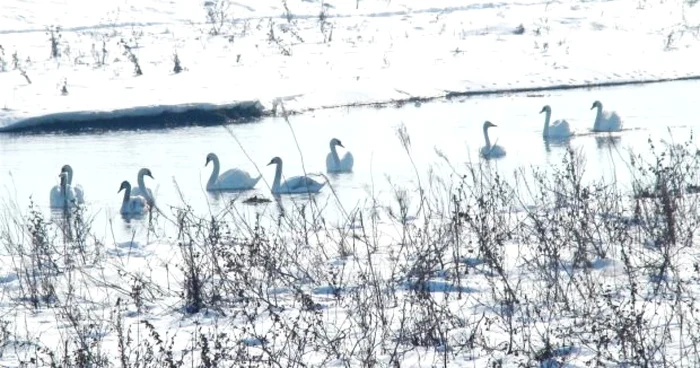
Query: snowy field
x,y
314,54
464,266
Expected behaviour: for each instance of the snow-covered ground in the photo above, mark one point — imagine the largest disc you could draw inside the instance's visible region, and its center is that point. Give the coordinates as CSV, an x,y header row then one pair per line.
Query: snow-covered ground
x,y
455,270
314,54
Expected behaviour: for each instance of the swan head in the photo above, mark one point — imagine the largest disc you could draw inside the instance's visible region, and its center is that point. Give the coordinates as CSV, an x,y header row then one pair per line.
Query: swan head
x,y
488,124
63,175
275,160
146,172
336,142
67,168
596,104
210,157
125,185
546,108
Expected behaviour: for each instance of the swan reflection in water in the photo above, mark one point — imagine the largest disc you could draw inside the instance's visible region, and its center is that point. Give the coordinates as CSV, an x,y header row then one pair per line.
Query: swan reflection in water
x,y
607,141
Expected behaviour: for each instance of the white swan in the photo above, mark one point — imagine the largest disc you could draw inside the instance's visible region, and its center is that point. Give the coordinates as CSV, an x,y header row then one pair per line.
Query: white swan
x,y
79,192
296,184
557,129
491,151
606,121
234,179
335,164
62,195
141,189
132,205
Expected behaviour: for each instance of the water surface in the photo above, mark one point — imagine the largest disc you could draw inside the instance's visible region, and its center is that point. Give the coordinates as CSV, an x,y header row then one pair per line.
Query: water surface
x,y
30,164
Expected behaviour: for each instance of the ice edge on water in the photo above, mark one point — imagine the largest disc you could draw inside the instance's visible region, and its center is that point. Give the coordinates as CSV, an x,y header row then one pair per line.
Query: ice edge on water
x,y
202,114
139,117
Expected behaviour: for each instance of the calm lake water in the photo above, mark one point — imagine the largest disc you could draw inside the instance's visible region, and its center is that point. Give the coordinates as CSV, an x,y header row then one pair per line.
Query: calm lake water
x,y
30,164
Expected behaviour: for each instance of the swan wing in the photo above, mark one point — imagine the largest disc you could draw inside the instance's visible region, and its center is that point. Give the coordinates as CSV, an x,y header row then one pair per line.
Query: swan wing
x,y
330,164
301,184
559,128
135,205
611,121
55,197
79,193
235,177
138,191
347,162
494,152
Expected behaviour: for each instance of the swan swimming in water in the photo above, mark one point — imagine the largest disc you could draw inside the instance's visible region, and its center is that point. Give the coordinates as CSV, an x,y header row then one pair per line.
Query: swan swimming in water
x,y
79,192
141,189
335,164
293,185
606,121
234,179
132,205
62,195
557,129
491,151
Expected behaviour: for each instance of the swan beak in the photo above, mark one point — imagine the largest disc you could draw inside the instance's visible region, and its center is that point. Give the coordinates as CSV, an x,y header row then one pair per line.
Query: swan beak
x,y
207,163
593,107
341,145
543,110
271,162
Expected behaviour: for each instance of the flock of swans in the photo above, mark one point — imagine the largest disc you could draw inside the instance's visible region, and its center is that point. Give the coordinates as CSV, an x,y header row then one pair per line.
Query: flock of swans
x,y
138,200
605,121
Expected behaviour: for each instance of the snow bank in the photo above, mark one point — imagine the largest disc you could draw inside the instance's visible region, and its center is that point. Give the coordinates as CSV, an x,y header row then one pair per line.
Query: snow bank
x,y
364,52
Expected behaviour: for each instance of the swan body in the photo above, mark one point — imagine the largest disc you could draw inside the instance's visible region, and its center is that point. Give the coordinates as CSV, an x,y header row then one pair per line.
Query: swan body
x,y
141,189
79,192
489,150
557,129
234,179
606,121
334,164
132,205
293,185
62,195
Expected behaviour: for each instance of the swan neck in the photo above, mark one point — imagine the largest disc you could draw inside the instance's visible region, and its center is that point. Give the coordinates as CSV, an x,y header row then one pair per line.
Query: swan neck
x,y
334,154
598,117
127,194
548,115
214,172
140,182
278,176
486,137
69,175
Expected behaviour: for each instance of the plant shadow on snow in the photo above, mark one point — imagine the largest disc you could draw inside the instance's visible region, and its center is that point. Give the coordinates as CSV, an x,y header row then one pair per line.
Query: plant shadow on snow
x,y
544,269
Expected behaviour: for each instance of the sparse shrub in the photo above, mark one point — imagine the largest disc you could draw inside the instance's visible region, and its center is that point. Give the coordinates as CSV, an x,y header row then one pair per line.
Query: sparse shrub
x,y
177,68
54,33
273,39
325,26
99,55
217,15
64,87
129,53
3,63
17,65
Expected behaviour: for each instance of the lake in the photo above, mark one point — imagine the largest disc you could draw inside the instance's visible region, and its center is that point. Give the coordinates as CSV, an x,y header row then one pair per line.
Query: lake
x,y
30,164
